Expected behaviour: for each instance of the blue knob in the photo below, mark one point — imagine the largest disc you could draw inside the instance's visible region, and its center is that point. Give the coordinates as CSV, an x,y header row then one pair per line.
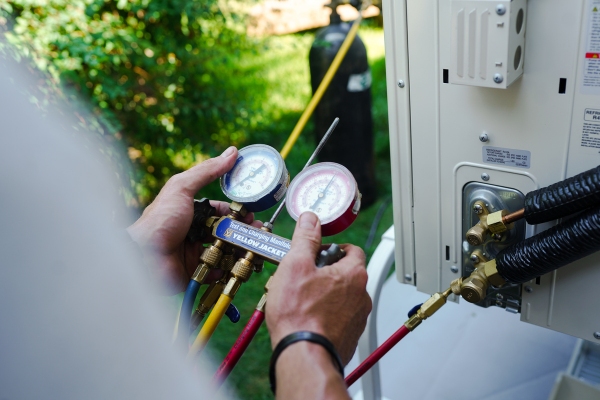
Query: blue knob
x,y
414,310
233,313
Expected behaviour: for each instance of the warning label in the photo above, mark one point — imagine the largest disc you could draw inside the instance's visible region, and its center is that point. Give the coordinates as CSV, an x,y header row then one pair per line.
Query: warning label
x,y
508,157
591,135
591,64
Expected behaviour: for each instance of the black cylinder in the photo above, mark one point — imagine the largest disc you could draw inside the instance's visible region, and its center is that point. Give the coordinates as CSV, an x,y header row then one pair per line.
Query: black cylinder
x,y
349,98
563,198
551,249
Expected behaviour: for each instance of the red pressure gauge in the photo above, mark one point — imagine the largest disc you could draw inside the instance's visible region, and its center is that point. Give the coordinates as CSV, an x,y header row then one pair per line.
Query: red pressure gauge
x,y
330,191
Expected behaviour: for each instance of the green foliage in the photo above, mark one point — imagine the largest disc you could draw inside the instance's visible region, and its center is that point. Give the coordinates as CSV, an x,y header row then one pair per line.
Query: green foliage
x,y
166,75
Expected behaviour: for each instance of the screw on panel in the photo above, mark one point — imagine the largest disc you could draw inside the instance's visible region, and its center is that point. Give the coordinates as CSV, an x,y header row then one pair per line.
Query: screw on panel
x,y
528,289
498,78
401,83
454,269
485,177
407,277
497,236
477,208
499,296
500,9
484,137
597,335
474,258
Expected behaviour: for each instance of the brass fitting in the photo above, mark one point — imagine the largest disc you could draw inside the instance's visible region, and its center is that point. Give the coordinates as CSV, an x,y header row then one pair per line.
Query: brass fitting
x,y
228,259
201,273
207,301
263,300
210,222
244,267
428,308
212,254
474,287
262,303
237,210
233,285
495,222
476,234
241,272
455,286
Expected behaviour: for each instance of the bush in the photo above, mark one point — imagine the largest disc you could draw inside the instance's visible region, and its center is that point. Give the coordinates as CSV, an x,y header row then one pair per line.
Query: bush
x,y
166,76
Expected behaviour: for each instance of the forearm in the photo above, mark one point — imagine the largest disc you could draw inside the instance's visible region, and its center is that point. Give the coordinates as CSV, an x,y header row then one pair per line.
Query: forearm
x,y
305,370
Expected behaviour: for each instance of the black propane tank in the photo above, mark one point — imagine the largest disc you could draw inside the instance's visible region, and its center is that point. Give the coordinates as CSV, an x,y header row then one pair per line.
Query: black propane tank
x,y
349,98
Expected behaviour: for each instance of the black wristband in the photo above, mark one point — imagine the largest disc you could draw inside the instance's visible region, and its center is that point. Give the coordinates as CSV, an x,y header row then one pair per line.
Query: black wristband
x,y
297,337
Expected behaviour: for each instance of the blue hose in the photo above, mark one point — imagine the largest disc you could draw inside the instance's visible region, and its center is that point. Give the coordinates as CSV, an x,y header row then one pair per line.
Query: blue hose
x,y
185,316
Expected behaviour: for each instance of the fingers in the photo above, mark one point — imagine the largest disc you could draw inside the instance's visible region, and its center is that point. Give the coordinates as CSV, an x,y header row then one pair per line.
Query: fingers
x,y
306,240
197,177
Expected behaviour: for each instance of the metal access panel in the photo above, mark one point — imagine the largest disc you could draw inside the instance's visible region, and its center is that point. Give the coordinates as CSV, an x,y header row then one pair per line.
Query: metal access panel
x,y
446,135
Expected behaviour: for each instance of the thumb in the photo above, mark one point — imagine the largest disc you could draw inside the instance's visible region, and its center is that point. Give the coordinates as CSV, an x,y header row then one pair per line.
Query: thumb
x,y
306,240
207,171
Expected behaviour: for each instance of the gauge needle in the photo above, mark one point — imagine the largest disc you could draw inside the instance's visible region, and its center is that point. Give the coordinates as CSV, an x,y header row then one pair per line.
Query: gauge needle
x,y
251,174
322,194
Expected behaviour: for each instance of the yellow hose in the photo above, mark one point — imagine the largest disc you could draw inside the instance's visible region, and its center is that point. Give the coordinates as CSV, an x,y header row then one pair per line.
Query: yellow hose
x,y
209,326
335,64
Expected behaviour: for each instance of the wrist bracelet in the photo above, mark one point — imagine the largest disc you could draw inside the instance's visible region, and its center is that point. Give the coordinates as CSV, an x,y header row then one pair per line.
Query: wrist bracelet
x,y
297,337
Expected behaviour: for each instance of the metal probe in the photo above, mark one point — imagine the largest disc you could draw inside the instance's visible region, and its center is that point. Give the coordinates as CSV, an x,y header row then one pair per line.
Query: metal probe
x,y
269,224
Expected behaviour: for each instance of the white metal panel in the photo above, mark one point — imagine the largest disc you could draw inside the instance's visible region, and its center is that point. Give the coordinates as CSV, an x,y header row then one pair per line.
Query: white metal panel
x,y
529,116
398,81
487,42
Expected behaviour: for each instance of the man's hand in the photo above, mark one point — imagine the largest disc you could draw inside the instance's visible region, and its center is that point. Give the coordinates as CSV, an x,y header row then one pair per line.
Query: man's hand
x,y
162,228
331,301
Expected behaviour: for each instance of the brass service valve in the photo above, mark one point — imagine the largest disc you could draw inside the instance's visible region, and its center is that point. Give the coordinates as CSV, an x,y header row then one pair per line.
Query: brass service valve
x,y
474,287
476,234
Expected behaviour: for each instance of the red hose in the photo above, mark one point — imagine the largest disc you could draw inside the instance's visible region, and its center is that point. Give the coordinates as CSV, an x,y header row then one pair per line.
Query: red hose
x,y
376,355
239,347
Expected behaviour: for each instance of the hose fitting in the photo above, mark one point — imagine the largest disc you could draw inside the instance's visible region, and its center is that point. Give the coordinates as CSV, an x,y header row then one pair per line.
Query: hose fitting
x,y
434,303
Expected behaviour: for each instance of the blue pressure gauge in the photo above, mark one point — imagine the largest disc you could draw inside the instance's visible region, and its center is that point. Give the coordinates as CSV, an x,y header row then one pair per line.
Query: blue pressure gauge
x,y
259,178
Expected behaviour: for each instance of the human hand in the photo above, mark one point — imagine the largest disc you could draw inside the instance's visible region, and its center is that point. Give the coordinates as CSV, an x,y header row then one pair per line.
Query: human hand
x,y
160,231
331,301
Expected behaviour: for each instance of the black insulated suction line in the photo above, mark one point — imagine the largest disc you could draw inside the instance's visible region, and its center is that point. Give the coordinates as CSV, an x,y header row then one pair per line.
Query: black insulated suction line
x,y
551,249
563,198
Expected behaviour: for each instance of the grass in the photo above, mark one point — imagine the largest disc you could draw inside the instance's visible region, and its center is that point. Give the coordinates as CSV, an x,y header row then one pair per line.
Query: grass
x,y
285,66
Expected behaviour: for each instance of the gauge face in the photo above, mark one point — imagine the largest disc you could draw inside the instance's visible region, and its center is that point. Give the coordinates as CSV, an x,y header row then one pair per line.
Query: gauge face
x,y
259,172
327,189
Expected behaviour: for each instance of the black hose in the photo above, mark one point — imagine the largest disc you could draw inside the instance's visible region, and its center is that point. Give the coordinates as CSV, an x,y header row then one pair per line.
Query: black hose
x,y
563,198
551,249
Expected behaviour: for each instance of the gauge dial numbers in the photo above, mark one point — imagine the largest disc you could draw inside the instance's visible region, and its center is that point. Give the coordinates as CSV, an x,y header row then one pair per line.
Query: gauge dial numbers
x,y
258,179
329,190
